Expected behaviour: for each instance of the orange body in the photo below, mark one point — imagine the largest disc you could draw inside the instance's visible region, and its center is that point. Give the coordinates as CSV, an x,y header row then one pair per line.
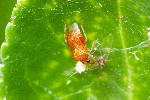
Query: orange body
x,y
77,44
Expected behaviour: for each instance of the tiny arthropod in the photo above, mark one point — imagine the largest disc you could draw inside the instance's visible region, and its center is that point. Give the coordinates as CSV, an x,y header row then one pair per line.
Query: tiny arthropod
x,y
77,43
98,61
101,60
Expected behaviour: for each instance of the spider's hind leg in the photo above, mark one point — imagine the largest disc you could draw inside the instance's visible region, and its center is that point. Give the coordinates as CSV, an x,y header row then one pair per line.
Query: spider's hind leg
x,y
65,32
84,33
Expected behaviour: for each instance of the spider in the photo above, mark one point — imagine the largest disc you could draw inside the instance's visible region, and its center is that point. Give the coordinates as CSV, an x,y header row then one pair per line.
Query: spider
x,y
97,61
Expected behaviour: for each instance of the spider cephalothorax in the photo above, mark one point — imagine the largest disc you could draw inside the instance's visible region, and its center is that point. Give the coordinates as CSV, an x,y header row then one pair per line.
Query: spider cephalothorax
x,y
101,60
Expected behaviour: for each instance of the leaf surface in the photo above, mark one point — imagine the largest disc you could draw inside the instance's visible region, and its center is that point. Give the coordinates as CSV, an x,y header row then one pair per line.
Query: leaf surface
x,y
35,55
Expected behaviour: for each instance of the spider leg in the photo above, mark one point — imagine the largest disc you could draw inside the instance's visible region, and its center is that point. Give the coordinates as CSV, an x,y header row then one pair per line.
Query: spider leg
x,y
84,33
65,32
93,48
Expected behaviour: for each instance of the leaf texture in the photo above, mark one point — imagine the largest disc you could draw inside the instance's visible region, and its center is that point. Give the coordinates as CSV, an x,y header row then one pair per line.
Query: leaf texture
x,y
35,55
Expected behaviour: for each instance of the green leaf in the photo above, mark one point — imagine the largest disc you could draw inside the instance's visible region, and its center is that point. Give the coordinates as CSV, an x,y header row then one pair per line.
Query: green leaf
x,y
6,7
36,58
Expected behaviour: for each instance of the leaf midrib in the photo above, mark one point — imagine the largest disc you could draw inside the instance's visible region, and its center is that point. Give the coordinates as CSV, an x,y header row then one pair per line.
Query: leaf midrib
x,y
127,64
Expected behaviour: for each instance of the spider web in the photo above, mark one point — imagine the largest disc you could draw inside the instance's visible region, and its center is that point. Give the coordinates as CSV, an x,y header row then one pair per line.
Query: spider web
x,y
88,88
63,12
133,50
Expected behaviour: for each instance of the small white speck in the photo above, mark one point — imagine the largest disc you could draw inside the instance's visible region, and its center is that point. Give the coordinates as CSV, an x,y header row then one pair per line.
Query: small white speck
x,y
148,34
1,65
4,98
58,52
92,97
1,80
68,82
95,49
148,29
100,4
49,92
125,21
131,86
137,58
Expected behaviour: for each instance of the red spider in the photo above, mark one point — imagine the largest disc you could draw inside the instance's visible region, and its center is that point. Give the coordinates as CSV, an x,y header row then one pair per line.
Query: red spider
x,y
76,43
